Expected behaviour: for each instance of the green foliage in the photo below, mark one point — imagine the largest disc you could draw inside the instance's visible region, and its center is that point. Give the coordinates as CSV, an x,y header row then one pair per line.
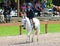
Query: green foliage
x,y
49,4
1,1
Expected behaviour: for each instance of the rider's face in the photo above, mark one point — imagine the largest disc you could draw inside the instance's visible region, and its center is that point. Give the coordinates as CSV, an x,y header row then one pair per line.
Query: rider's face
x,y
29,7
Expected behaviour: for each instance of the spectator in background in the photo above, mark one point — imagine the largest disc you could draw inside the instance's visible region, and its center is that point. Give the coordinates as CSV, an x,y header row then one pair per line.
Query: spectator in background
x,y
23,7
7,14
54,8
1,17
43,5
37,8
12,5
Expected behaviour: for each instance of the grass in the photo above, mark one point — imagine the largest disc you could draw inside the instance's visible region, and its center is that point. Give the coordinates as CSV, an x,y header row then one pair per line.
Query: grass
x,y
14,30
53,28
10,30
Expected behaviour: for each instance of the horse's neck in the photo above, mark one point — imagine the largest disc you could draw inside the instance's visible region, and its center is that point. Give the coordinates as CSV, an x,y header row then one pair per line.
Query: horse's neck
x,y
27,19
28,24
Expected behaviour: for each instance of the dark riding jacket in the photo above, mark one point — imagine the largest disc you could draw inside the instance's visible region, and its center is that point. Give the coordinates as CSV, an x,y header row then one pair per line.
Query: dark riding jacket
x,y
30,14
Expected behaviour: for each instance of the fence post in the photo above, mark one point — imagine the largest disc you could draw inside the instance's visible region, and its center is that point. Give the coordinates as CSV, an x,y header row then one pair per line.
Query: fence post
x,y
46,28
20,29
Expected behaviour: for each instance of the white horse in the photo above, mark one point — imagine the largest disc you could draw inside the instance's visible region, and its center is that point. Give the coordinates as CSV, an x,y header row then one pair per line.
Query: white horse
x,y
29,27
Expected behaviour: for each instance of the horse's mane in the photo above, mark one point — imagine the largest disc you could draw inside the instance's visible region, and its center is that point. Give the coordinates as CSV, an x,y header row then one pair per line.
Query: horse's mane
x,y
28,24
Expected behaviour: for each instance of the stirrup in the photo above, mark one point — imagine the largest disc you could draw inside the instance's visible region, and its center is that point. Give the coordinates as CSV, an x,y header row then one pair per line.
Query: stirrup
x,y
33,25
22,25
24,28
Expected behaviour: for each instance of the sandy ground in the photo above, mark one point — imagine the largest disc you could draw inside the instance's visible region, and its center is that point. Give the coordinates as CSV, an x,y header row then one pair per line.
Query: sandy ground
x,y
49,39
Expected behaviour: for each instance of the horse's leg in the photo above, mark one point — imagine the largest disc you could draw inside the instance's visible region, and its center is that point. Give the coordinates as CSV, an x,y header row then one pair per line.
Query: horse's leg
x,y
32,37
37,35
33,33
38,31
28,36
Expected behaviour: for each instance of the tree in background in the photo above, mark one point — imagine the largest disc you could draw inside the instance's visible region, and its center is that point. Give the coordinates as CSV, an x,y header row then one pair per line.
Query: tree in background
x,y
56,2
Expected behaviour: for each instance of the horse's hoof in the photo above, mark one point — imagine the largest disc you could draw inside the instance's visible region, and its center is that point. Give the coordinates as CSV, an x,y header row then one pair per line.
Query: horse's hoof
x,y
37,40
27,41
32,39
